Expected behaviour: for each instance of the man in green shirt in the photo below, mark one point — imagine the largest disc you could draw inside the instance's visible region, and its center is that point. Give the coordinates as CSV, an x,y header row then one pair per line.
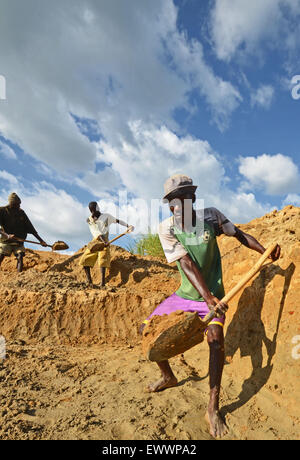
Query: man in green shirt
x,y
15,225
188,238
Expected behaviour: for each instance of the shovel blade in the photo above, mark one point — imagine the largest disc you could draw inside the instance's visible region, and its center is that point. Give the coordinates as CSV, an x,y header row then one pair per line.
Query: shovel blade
x,y
170,335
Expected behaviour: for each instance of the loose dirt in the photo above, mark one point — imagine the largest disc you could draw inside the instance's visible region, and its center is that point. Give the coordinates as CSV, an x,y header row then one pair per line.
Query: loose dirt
x,y
75,369
170,335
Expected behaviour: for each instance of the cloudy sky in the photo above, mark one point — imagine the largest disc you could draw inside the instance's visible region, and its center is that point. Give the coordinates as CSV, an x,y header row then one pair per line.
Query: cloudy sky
x,y
103,100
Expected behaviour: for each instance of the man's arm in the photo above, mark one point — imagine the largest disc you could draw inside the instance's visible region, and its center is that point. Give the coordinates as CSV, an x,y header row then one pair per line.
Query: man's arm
x,y
195,277
223,226
5,235
2,231
32,231
251,243
121,222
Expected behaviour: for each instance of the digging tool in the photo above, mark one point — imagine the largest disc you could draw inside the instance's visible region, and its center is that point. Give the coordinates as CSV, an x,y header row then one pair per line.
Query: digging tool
x,y
96,245
162,341
58,246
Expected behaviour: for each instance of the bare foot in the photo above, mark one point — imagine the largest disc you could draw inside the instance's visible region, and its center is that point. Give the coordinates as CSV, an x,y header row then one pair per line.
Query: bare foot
x,y
162,384
218,428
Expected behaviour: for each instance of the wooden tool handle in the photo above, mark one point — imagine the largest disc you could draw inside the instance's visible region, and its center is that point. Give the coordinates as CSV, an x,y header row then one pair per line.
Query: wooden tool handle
x,y
28,241
117,237
254,270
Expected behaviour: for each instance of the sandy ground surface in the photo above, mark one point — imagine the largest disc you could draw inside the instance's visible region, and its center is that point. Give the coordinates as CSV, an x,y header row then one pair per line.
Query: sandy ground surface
x,y
99,393
74,367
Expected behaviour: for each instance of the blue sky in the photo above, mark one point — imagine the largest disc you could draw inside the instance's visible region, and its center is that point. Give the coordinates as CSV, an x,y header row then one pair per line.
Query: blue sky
x,y
104,98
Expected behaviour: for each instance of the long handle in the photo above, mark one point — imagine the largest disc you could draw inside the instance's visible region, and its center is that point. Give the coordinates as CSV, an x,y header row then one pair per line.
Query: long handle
x,y
28,241
254,270
117,237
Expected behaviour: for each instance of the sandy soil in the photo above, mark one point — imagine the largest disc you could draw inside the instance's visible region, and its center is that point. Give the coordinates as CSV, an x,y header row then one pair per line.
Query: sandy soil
x,y
74,367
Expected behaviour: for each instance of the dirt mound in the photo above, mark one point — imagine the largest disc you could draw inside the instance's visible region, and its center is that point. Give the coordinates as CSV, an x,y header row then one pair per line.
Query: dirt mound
x,y
50,301
49,306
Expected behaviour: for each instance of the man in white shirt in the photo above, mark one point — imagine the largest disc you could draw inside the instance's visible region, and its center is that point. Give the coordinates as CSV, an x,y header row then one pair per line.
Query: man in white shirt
x,y
99,227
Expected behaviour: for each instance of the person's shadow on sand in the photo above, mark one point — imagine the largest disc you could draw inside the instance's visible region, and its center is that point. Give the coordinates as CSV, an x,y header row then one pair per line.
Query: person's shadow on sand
x,y
247,333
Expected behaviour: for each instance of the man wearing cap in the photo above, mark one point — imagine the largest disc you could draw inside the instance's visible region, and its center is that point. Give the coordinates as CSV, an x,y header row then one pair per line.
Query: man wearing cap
x,y
15,225
99,224
188,238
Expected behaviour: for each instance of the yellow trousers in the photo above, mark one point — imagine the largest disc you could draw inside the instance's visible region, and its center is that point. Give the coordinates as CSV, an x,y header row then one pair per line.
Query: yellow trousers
x,y
88,259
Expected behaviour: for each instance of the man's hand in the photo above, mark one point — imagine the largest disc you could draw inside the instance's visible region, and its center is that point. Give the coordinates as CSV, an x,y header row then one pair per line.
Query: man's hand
x,y
130,229
213,301
275,254
44,244
102,240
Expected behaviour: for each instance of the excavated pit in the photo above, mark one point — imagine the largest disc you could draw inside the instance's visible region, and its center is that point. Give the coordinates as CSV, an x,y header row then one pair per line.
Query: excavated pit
x,y
49,318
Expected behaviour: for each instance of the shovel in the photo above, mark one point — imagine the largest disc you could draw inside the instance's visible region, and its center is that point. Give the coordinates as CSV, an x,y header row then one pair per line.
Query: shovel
x,y
96,245
58,246
165,338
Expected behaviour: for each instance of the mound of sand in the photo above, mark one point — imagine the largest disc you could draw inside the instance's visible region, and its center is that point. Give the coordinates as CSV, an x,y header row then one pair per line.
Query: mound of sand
x,y
48,317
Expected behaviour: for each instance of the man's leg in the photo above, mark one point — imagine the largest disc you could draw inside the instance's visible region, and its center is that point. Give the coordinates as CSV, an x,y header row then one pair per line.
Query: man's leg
x,y
88,275
2,256
20,264
215,339
168,379
87,261
103,272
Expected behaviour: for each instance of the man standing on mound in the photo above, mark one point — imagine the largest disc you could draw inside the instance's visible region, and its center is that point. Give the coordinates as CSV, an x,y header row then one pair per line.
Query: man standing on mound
x,y
15,224
189,238
99,226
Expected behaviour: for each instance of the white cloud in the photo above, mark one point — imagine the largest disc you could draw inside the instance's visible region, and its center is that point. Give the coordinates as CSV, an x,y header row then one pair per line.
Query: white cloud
x,y
121,68
7,151
55,214
159,153
240,25
101,183
156,153
107,62
188,56
274,174
239,207
293,199
263,96
4,175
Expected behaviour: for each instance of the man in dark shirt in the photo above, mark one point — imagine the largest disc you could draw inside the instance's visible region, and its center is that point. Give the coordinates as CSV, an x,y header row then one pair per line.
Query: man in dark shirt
x,y
15,225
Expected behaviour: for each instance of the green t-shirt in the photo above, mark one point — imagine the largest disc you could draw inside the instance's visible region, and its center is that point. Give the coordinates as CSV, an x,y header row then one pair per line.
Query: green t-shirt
x,y
203,250
201,245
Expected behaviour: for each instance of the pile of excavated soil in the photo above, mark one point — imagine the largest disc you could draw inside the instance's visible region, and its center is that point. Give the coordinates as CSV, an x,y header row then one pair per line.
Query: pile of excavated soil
x,y
50,302
74,366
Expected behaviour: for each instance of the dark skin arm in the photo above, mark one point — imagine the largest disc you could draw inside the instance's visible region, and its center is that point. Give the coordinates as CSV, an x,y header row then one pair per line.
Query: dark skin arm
x,y
195,276
251,243
32,230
